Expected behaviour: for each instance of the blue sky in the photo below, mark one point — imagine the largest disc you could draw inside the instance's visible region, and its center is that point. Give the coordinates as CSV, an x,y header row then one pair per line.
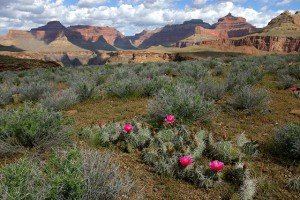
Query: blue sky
x,y
133,16
255,4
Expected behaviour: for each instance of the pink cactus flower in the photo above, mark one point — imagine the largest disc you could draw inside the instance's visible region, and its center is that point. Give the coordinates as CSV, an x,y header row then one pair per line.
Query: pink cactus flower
x,y
170,119
216,166
185,161
293,88
127,128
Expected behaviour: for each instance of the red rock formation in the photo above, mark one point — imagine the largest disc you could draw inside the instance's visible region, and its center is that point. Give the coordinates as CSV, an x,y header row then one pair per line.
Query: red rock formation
x,y
50,32
210,32
139,38
234,26
169,34
270,43
93,33
17,34
281,34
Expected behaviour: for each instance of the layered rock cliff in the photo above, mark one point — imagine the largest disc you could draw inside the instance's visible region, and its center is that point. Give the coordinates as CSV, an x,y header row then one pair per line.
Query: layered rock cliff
x,y
226,27
169,34
282,34
270,43
233,26
78,37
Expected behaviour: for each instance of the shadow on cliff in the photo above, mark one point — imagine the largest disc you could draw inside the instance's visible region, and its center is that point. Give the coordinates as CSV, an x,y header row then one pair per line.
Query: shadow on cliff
x,y
68,62
100,44
173,33
177,35
10,48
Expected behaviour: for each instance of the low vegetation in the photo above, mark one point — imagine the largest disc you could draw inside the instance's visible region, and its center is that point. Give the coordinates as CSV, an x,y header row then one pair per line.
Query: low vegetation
x,y
205,123
73,174
287,141
30,127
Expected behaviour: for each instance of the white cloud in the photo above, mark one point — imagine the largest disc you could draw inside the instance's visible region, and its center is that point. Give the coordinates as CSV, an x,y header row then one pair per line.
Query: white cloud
x,y
129,18
199,2
90,3
284,2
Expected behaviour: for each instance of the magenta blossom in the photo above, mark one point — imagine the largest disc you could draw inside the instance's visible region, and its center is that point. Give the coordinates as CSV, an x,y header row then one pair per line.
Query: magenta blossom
x,y
216,166
185,161
127,128
170,119
293,88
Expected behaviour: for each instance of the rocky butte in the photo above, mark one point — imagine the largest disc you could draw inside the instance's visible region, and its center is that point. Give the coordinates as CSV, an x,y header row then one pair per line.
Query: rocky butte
x,y
233,26
282,34
226,27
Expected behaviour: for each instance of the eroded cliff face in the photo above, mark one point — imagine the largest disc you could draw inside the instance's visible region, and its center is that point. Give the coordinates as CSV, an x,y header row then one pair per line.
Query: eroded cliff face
x,y
168,35
219,33
233,26
50,32
79,37
270,43
94,33
138,39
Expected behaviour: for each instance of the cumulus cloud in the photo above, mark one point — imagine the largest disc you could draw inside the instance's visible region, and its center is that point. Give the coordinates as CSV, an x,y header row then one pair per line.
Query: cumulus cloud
x,y
284,2
90,3
199,2
129,18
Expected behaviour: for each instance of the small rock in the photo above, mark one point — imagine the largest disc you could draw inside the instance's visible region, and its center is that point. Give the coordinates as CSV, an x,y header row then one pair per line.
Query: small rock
x,y
71,112
295,112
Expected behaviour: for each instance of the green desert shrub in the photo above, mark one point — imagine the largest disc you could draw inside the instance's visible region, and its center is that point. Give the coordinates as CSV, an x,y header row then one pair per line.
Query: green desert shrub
x,y
294,184
211,89
6,94
85,89
59,100
273,64
285,81
31,126
34,91
129,85
218,70
151,86
103,178
250,100
22,180
64,175
295,71
194,69
182,101
70,174
242,75
286,141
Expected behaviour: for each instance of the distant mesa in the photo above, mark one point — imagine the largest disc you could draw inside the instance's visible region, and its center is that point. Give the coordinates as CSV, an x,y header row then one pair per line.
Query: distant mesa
x,y
229,30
